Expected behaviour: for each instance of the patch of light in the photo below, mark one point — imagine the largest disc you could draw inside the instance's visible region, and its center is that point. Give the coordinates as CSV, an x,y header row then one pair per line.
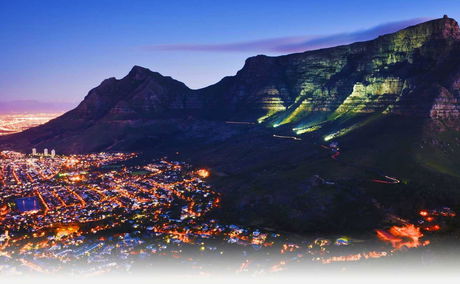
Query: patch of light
x,y
329,137
344,131
272,104
299,131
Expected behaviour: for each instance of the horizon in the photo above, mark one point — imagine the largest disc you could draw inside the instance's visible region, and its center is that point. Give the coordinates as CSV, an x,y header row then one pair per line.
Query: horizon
x,y
50,62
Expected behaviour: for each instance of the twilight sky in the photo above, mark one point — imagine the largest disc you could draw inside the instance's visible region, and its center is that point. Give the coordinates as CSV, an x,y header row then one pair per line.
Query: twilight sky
x,y
59,50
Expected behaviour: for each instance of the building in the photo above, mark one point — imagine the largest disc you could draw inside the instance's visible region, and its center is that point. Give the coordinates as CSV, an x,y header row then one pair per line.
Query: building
x,y
34,151
53,153
45,152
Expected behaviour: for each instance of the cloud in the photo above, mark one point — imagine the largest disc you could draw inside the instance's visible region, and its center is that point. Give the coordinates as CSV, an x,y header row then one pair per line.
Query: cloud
x,y
291,44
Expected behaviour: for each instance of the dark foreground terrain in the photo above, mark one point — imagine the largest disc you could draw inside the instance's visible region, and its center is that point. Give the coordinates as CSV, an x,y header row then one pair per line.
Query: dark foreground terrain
x,y
106,213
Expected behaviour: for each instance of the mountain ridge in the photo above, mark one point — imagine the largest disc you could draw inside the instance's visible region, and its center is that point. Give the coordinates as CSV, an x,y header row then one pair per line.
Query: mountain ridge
x,y
414,72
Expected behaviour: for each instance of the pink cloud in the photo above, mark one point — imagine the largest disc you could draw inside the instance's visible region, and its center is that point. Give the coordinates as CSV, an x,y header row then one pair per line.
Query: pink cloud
x,y
291,44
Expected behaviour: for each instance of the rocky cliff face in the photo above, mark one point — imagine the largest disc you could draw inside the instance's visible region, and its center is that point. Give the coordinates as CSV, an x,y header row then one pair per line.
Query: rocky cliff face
x,y
142,93
413,72
399,73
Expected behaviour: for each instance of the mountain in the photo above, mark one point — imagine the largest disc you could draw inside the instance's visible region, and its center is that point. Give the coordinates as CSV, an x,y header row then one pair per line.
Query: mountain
x,y
393,104
412,72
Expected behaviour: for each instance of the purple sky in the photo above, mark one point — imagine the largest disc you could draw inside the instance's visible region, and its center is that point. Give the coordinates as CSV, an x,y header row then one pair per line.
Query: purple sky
x,y
58,50
283,45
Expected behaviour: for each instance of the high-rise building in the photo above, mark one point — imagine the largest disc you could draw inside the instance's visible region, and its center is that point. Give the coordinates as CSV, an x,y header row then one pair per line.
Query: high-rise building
x,y
34,151
45,152
53,153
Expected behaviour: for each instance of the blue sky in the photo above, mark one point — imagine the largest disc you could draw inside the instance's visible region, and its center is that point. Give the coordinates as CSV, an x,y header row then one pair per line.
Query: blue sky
x,y
59,50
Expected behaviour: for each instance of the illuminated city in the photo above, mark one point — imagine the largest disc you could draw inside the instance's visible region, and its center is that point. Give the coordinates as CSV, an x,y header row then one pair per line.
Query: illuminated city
x,y
13,123
97,213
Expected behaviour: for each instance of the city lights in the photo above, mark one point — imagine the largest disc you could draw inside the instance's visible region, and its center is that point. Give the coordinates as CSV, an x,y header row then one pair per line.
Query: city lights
x,y
95,208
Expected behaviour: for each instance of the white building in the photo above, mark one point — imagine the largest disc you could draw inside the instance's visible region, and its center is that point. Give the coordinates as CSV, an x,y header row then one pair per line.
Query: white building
x,y
34,151
45,152
53,153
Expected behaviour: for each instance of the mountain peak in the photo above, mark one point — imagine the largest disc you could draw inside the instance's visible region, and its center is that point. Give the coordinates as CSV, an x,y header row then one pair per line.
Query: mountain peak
x,y
137,68
139,72
441,28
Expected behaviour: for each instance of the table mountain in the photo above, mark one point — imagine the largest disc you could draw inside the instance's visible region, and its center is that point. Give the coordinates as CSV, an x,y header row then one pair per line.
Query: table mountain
x,y
413,72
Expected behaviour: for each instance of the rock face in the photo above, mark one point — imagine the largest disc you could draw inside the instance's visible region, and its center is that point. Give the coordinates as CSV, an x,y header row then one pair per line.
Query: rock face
x,y
142,93
413,72
400,73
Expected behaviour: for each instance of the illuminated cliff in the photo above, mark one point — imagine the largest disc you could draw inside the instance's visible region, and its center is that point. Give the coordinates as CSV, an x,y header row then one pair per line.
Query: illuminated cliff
x,y
414,72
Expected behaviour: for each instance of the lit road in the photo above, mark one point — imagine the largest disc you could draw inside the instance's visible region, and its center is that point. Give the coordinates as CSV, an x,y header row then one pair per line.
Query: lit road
x,y
287,137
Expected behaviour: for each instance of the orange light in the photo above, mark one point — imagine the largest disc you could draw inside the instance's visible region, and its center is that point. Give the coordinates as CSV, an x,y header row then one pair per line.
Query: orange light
x,y
405,236
433,228
203,173
423,213
66,230
429,219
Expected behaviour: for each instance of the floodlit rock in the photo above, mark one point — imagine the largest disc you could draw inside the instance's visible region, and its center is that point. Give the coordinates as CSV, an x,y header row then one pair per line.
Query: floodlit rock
x,y
413,72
